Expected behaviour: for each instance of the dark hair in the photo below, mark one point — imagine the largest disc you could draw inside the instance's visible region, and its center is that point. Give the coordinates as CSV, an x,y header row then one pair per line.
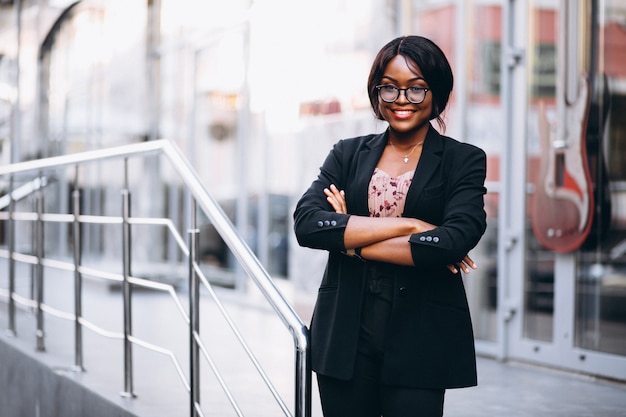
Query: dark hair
x,y
433,64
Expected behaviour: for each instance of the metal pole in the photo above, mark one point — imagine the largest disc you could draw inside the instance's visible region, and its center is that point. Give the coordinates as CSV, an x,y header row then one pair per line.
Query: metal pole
x,y
509,60
303,379
126,288
194,313
513,180
16,130
242,203
39,251
78,280
11,246
153,58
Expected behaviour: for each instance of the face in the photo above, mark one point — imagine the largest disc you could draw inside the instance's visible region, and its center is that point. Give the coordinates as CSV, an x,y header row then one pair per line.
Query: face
x,y
404,117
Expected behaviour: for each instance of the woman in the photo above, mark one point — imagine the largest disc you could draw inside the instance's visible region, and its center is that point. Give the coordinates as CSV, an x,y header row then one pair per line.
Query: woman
x,y
398,213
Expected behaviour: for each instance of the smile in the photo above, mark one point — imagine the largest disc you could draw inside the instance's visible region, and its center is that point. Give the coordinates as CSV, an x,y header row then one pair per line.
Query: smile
x,y
403,113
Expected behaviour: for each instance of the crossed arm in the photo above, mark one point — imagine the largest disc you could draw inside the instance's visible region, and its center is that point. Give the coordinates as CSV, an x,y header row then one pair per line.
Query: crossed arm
x,y
384,239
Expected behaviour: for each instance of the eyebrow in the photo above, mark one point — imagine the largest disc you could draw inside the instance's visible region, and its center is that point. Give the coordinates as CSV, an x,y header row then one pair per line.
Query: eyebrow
x,y
394,80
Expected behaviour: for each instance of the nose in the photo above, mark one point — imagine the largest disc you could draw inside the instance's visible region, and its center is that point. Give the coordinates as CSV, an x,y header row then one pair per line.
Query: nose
x,y
402,94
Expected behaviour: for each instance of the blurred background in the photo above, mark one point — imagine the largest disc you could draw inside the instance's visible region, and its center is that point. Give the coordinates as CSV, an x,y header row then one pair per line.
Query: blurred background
x,y
256,92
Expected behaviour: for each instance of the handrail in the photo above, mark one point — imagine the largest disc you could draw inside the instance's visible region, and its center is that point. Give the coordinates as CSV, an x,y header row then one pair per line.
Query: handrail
x,y
219,220
135,149
23,191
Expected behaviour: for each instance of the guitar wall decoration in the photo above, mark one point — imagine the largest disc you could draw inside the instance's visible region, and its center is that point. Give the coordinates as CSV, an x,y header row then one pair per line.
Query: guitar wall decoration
x,y
563,207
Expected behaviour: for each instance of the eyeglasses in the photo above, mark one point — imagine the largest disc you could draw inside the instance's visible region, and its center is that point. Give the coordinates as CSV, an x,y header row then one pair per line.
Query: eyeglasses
x,y
389,93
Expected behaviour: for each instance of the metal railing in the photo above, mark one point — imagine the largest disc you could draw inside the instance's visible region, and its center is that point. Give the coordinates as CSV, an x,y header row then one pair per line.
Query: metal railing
x,y
196,278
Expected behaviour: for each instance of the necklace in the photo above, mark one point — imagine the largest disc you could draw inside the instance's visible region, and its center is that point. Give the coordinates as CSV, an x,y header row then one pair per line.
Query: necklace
x,y
406,157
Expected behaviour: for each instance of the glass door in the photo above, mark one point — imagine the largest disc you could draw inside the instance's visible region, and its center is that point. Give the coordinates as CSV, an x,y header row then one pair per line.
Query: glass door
x,y
574,283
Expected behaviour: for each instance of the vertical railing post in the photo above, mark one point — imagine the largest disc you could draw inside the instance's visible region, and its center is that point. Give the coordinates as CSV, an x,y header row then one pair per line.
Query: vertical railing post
x,y
33,244
303,380
78,279
39,252
11,246
194,314
126,288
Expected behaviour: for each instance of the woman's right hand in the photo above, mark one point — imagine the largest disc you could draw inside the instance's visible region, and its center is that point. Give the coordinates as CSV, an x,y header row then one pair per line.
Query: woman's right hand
x,y
336,198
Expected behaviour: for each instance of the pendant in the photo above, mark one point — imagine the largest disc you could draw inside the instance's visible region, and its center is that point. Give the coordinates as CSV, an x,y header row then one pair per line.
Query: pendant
x,y
406,159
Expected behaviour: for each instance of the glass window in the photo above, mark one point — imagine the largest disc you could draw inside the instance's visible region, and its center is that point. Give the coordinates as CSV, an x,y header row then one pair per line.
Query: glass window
x,y
601,279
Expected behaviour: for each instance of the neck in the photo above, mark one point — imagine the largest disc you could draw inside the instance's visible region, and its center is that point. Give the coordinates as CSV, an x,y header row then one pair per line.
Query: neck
x,y
406,148
405,140
405,144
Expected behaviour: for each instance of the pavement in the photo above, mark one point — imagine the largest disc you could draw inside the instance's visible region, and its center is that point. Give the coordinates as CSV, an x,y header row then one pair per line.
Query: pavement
x,y
508,389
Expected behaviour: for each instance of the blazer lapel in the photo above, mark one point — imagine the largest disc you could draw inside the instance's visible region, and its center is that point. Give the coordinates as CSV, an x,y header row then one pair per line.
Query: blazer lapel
x,y
366,161
426,167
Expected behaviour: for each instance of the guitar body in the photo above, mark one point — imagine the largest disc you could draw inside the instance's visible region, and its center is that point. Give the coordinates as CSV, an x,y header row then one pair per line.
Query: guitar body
x,y
596,127
563,202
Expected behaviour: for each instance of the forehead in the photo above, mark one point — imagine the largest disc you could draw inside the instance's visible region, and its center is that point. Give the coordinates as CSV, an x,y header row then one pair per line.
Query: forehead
x,y
401,66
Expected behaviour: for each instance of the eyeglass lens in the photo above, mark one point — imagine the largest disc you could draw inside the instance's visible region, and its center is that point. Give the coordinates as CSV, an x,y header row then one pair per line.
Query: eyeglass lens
x,y
390,93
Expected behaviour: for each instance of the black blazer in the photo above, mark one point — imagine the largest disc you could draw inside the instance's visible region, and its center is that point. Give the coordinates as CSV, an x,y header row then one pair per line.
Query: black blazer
x,y
430,342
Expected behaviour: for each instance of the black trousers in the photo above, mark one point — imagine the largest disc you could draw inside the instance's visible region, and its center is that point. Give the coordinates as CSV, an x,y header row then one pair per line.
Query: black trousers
x,y
365,395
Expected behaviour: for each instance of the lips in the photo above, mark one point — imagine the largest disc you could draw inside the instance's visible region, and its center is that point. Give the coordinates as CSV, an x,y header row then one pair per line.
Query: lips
x,y
403,113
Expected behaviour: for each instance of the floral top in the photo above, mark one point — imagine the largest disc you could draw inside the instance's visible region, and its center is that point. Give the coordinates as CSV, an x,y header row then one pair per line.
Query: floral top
x,y
386,194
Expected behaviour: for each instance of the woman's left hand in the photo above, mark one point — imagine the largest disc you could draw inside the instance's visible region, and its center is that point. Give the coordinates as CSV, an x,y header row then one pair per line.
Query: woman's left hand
x,y
464,264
